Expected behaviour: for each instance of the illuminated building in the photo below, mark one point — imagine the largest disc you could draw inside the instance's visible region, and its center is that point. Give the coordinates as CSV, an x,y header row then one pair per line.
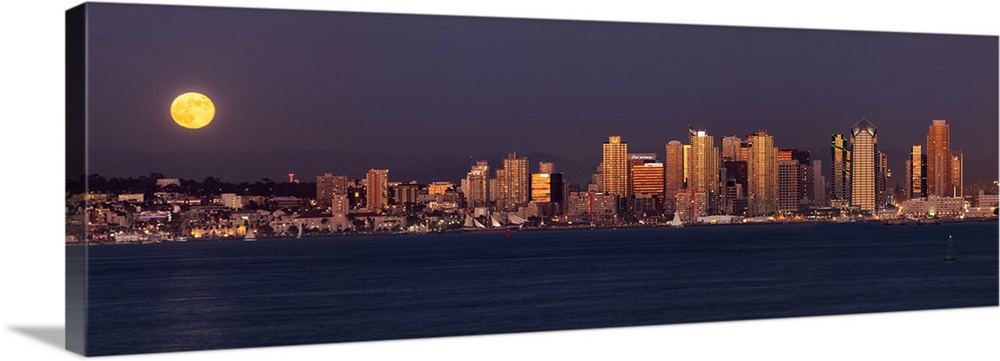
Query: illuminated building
x,y
546,167
614,168
440,187
327,185
788,186
864,165
956,175
939,157
541,188
883,193
647,182
762,175
512,183
917,173
703,168
673,174
731,148
377,190
476,187
840,169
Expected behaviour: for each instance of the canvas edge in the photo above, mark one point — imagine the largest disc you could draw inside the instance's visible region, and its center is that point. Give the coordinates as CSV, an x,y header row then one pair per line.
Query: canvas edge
x,y
76,254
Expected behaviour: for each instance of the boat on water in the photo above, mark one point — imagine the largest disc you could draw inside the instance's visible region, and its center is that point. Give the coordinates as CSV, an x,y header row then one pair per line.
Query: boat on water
x,y
490,223
249,237
180,239
934,220
298,236
677,220
895,221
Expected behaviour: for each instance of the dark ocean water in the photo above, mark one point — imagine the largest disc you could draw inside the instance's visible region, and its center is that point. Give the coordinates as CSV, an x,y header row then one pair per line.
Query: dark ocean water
x,y
228,294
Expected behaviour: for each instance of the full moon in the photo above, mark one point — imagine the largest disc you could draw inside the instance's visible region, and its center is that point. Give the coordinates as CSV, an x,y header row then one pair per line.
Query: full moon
x,y
192,110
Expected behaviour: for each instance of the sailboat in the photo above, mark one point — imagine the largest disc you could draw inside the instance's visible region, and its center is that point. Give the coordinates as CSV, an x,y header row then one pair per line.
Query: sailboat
x,y
249,237
949,254
677,220
300,231
474,225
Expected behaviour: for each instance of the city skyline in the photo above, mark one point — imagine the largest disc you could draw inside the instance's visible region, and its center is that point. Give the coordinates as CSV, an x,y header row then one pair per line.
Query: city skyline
x,y
435,101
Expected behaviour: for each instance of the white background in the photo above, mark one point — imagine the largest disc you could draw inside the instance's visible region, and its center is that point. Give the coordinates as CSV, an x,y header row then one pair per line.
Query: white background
x,y
31,188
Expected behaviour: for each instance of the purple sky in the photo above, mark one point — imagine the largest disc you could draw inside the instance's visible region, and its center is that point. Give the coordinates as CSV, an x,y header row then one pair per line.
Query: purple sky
x,y
314,92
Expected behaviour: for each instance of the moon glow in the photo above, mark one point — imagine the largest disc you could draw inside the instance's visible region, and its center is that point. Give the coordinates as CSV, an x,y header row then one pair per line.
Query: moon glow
x,y
192,110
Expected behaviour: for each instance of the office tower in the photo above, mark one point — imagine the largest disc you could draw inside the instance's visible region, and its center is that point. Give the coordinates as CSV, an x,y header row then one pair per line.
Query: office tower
x,y
673,174
788,174
377,190
327,185
819,183
864,164
647,182
703,168
806,180
735,183
956,174
687,161
731,148
546,167
917,169
762,175
513,182
883,192
476,187
405,193
541,188
939,157
614,168
840,169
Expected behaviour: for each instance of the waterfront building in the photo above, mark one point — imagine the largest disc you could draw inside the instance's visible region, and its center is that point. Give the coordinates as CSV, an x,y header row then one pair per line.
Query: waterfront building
x,y
232,201
614,168
939,157
788,185
673,174
703,169
377,188
956,174
327,185
916,167
476,187
513,183
840,169
883,178
762,175
864,165
819,184
933,206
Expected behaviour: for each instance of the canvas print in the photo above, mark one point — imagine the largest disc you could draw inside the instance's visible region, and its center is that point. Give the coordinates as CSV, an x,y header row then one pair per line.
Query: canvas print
x,y
245,178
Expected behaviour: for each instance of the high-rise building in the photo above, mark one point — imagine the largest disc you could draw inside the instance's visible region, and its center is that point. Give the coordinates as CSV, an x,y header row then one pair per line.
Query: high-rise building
x,y
735,183
864,165
917,173
327,185
883,179
939,157
673,174
788,185
614,168
546,167
647,182
548,190
377,190
477,185
840,169
703,168
731,148
687,161
819,183
956,174
762,175
513,182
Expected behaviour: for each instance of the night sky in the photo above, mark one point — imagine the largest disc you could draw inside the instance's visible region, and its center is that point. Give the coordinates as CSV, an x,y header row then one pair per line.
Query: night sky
x,y
425,96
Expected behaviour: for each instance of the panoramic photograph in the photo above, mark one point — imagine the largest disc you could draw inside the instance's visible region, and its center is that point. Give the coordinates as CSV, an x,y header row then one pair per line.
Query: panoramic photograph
x,y
246,178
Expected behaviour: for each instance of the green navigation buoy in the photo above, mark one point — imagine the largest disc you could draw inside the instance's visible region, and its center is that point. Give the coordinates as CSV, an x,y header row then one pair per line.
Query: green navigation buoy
x,y
949,254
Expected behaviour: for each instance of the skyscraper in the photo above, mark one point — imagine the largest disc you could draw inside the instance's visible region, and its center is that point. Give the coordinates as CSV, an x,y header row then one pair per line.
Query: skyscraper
x,y
673,173
647,182
956,174
788,186
377,190
840,169
546,167
731,148
864,165
917,169
939,169
762,175
477,185
327,185
614,168
513,182
703,168
883,193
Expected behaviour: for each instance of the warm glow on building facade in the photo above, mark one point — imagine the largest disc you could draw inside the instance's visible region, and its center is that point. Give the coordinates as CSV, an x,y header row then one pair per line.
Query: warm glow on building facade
x,y
512,183
864,165
762,175
614,168
917,170
378,190
673,173
476,188
703,167
939,169
840,168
